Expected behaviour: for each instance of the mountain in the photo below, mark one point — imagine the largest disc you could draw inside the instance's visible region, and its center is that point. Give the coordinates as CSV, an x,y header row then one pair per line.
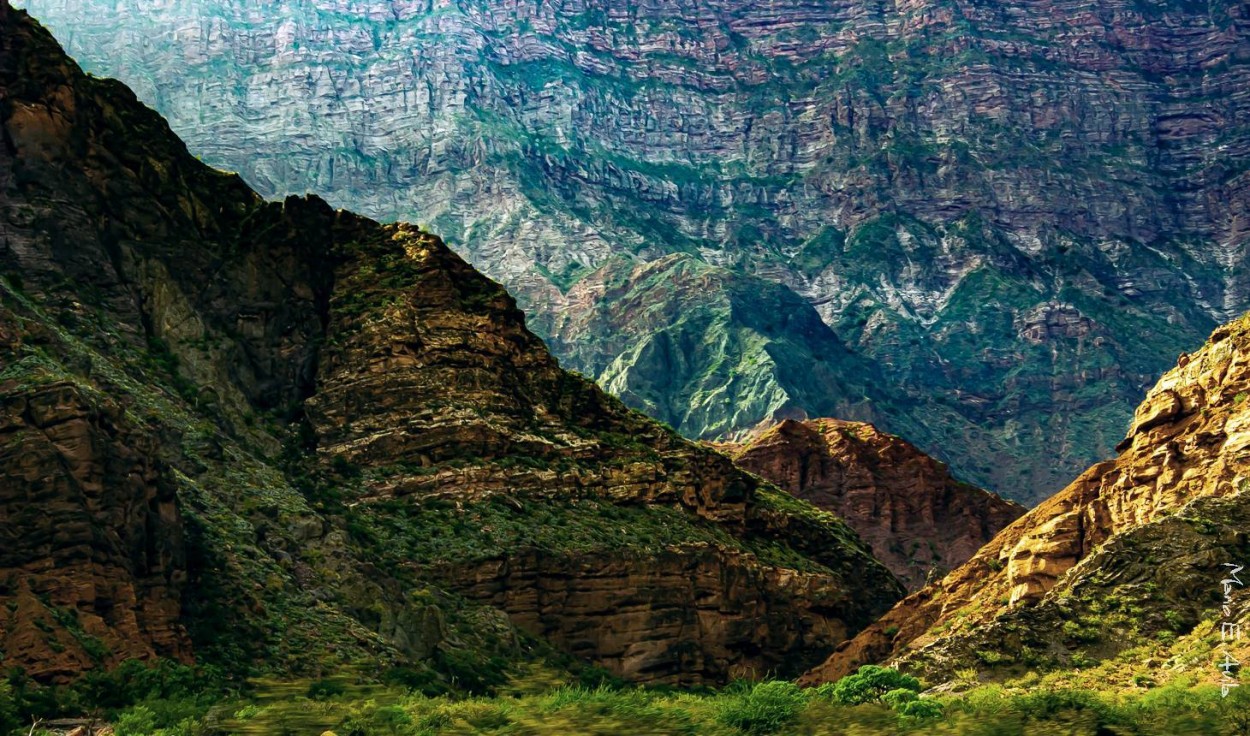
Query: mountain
x,y
1022,214
1125,565
918,520
278,438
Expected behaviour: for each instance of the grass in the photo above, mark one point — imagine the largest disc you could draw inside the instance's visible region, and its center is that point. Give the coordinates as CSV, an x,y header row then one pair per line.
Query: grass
x,y
165,703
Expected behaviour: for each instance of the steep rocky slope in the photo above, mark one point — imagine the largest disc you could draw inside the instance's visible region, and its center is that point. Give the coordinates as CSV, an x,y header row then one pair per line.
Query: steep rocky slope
x,y
1023,213
1132,553
918,520
279,437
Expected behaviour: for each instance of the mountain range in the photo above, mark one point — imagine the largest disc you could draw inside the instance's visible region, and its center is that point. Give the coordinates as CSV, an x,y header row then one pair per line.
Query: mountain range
x,y
269,466
1129,572
281,438
987,229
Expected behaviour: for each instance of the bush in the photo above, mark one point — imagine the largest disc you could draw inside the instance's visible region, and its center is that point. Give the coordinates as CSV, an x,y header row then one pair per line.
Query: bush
x,y
422,681
920,709
897,698
392,719
473,672
137,721
10,718
1048,705
766,708
595,677
868,685
135,681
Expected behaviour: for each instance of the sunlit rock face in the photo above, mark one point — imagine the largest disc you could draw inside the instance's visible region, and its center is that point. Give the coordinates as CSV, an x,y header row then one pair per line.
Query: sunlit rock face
x,y
918,520
1134,546
1021,214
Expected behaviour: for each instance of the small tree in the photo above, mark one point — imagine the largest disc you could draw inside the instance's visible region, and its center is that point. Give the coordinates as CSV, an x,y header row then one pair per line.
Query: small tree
x,y
869,685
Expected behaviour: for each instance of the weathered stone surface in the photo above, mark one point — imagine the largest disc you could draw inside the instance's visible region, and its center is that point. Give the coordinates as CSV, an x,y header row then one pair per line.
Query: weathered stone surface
x,y
1022,214
1178,484
917,519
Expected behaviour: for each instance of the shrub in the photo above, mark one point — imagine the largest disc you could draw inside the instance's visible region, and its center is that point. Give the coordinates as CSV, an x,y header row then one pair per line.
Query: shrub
x,y
1175,621
920,709
135,681
422,680
1047,705
9,716
898,697
766,708
137,721
593,677
991,657
869,684
392,719
473,672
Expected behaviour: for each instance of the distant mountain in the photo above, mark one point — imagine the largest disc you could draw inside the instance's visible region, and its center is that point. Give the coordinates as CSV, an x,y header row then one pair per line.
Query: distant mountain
x,y
918,520
1022,213
1119,574
280,438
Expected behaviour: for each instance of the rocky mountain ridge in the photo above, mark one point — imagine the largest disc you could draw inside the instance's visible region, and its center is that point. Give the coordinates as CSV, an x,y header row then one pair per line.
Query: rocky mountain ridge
x,y
279,438
1021,215
917,519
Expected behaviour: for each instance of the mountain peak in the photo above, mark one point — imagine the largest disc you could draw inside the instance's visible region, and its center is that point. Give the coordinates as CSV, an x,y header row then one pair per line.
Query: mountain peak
x,y
918,520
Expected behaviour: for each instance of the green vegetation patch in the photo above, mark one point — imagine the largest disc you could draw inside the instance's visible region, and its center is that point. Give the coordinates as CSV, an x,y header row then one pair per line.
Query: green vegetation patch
x,y
436,531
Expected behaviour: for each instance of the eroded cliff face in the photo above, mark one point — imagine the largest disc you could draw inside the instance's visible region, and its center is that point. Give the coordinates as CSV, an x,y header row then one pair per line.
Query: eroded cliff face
x,y
1134,546
917,519
92,561
687,613
1022,214
285,438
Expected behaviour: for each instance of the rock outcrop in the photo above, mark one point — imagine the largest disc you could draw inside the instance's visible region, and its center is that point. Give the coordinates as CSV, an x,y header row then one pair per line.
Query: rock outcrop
x,y
283,438
918,520
746,620
1134,546
1021,214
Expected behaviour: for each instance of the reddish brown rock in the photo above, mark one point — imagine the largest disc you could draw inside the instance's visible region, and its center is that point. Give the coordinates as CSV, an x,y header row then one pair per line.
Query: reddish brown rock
x,y
917,519
684,617
91,558
443,372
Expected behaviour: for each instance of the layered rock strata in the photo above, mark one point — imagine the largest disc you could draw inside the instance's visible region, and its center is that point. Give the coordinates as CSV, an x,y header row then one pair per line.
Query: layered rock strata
x,y
918,520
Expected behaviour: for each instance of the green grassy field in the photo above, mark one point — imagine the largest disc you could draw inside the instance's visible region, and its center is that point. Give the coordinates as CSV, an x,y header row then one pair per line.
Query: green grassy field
x,y
172,700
